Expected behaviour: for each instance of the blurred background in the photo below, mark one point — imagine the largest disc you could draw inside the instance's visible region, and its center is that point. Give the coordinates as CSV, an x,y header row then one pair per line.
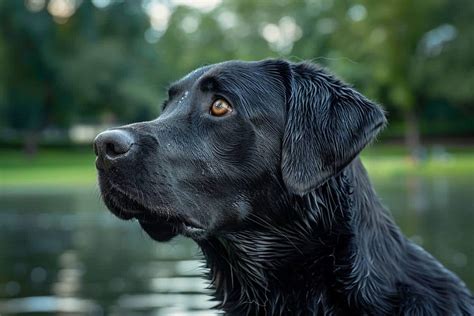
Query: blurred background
x,y
71,68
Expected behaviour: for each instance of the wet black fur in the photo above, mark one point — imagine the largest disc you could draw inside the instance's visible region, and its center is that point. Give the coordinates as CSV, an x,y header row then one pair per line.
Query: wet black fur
x,y
289,222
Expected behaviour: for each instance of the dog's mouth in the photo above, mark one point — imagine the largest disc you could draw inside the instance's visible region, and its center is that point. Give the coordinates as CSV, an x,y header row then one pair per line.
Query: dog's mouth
x,y
160,225
165,229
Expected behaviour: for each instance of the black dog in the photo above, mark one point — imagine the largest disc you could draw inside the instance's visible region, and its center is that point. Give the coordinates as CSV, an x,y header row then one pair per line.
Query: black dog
x,y
257,162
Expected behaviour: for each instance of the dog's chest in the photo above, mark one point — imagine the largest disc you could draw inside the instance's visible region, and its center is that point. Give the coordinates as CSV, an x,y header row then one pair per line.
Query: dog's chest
x,y
297,297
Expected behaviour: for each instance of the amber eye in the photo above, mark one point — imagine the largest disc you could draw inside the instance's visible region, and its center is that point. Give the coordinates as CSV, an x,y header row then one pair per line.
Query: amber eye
x,y
220,107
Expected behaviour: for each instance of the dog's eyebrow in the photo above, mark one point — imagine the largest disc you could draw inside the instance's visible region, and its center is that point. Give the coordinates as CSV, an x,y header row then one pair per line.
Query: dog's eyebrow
x,y
173,90
209,83
177,87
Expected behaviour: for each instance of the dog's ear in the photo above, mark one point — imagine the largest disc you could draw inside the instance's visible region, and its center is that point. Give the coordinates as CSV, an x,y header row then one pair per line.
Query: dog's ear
x,y
327,125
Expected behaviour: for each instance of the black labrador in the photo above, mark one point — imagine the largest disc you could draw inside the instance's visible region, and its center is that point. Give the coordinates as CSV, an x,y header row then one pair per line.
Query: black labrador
x,y
257,162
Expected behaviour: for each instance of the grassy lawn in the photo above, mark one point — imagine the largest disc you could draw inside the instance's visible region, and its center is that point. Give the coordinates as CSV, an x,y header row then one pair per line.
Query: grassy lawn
x,y
389,160
76,167
48,167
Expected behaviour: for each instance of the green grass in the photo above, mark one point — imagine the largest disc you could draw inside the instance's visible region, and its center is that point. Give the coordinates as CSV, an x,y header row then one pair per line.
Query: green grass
x,y
51,167
390,160
76,167
386,166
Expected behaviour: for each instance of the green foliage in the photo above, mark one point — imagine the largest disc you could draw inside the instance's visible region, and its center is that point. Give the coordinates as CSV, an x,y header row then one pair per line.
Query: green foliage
x,y
91,66
110,65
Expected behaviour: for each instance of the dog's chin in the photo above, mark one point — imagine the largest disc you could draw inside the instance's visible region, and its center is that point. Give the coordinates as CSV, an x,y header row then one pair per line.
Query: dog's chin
x,y
159,231
156,224
166,229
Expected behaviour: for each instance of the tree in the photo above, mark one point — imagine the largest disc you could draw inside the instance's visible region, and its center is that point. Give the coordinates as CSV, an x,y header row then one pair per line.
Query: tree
x,y
58,72
403,53
115,61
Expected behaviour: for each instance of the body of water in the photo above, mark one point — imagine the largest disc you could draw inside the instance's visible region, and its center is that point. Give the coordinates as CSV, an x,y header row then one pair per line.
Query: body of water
x,y
62,252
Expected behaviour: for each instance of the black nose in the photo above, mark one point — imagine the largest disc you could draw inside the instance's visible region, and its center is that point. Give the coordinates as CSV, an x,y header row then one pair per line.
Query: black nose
x,y
112,145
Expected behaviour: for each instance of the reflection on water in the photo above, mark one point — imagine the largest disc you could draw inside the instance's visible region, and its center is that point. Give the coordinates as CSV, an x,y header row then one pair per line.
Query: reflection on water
x,y
62,252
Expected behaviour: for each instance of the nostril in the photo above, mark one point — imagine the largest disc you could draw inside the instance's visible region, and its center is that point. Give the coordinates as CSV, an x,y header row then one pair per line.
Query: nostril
x,y
110,150
95,148
113,144
116,149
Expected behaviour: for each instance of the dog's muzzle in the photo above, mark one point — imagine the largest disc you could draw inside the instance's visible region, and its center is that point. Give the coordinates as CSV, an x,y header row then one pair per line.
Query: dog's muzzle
x,y
115,149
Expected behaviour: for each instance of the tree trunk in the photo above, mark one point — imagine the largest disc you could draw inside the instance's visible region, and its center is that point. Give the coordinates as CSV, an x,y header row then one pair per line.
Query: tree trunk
x,y
412,135
30,144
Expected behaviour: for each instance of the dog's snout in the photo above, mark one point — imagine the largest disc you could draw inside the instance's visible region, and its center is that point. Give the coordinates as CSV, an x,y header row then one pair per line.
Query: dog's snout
x,y
113,145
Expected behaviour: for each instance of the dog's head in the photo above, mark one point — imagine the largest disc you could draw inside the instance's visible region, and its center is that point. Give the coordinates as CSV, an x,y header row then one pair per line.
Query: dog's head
x,y
232,136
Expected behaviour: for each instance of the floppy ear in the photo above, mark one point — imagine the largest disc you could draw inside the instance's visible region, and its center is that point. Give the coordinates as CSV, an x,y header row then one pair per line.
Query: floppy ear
x,y
327,125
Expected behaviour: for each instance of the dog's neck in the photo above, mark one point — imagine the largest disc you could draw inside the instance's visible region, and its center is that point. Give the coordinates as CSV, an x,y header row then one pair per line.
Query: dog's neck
x,y
279,265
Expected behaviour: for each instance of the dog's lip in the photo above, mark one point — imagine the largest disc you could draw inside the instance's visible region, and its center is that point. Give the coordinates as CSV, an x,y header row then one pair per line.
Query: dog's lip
x,y
182,227
186,227
193,231
187,224
151,218
98,164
